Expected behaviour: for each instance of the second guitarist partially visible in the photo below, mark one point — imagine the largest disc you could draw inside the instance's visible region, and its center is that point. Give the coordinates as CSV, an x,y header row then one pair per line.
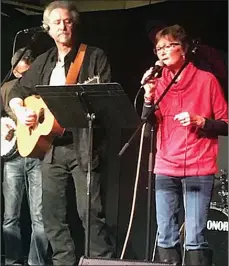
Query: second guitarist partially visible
x,y
20,175
64,160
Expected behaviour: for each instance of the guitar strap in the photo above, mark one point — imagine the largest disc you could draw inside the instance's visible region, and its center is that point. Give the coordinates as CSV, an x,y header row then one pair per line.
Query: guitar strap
x,y
73,74
74,69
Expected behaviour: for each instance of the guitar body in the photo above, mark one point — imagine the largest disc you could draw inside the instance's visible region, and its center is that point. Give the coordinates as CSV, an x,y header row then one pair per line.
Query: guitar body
x,y
36,141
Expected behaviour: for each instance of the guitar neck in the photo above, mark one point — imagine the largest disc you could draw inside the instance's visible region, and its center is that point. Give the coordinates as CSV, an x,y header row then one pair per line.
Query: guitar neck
x,y
93,80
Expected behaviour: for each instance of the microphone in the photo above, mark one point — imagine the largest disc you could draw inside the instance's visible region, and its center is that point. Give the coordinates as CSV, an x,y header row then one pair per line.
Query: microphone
x,y
43,28
155,71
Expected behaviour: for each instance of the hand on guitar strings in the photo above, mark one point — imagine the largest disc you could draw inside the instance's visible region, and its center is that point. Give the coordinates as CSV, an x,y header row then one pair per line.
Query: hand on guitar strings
x,y
27,116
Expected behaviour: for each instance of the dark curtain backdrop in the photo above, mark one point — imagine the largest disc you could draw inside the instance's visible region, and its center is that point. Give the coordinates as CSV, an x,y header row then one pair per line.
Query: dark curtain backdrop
x,y
123,35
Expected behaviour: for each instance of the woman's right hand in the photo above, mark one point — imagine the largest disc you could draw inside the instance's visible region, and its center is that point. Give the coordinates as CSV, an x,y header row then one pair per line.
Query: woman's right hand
x,y
149,85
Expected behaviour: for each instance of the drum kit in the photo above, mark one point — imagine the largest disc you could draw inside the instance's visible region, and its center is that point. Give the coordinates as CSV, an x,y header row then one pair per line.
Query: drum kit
x,y
217,223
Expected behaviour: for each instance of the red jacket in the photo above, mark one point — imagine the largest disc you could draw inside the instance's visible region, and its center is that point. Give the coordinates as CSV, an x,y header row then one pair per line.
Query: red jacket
x,y
182,151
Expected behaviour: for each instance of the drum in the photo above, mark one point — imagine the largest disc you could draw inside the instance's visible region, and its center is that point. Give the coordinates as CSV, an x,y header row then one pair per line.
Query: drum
x,y
217,233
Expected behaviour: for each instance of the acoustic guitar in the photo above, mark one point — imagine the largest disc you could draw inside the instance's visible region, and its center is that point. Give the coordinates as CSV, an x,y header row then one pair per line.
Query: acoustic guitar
x,y
36,141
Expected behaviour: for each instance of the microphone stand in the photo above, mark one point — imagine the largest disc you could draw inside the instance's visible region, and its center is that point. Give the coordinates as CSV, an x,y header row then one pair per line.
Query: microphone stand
x,y
150,188
33,39
192,50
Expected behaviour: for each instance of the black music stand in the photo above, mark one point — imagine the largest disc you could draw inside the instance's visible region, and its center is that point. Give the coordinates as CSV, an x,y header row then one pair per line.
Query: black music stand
x,y
89,106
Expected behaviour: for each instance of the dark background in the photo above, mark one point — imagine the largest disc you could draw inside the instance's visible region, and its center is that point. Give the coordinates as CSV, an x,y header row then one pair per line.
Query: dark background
x,y
123,36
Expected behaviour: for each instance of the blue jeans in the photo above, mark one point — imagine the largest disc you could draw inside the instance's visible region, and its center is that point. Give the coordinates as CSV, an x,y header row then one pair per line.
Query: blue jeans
x,y
196,192
20,174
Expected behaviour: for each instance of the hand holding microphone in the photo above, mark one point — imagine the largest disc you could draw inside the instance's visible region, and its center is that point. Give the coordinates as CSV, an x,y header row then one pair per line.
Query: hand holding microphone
x,y
148,81
152,73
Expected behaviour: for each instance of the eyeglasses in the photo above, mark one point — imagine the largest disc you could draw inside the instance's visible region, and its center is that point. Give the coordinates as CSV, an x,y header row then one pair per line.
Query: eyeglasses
x,y
166,48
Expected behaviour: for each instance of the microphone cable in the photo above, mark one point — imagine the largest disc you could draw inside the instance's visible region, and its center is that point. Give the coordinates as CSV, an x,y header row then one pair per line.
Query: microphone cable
x,y
135,193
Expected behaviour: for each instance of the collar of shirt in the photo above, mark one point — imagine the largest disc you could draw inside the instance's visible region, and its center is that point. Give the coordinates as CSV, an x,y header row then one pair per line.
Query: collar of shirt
x,y
69,57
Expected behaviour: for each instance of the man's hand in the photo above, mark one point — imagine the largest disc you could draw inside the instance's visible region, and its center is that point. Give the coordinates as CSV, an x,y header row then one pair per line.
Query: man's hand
x,y
26,116
186,119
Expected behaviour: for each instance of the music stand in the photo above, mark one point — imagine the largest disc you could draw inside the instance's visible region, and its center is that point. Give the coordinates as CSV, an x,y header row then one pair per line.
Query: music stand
x,y
87,106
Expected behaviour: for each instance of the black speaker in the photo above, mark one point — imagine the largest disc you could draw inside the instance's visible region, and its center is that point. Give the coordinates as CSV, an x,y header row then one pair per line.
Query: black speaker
x,y
101,261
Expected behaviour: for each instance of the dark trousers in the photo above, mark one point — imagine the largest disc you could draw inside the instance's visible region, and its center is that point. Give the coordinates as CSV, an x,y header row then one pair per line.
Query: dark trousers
x,y
55,180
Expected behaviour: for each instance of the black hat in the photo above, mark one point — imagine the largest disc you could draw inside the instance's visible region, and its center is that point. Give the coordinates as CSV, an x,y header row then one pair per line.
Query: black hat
x,y
28,56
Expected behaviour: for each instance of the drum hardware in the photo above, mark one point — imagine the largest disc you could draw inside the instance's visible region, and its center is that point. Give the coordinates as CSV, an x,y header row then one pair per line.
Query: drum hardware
x,y
223,187
224,196
219,207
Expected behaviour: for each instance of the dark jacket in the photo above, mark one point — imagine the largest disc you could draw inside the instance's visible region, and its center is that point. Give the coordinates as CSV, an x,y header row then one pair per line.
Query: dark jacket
x,y
5,91
95,63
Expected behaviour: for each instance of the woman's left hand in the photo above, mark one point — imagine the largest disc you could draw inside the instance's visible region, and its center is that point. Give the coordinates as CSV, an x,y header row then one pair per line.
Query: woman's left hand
x,y
187,119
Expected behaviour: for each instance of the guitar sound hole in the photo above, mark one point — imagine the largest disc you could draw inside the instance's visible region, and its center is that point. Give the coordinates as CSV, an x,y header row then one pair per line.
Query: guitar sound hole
x,y
41,117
